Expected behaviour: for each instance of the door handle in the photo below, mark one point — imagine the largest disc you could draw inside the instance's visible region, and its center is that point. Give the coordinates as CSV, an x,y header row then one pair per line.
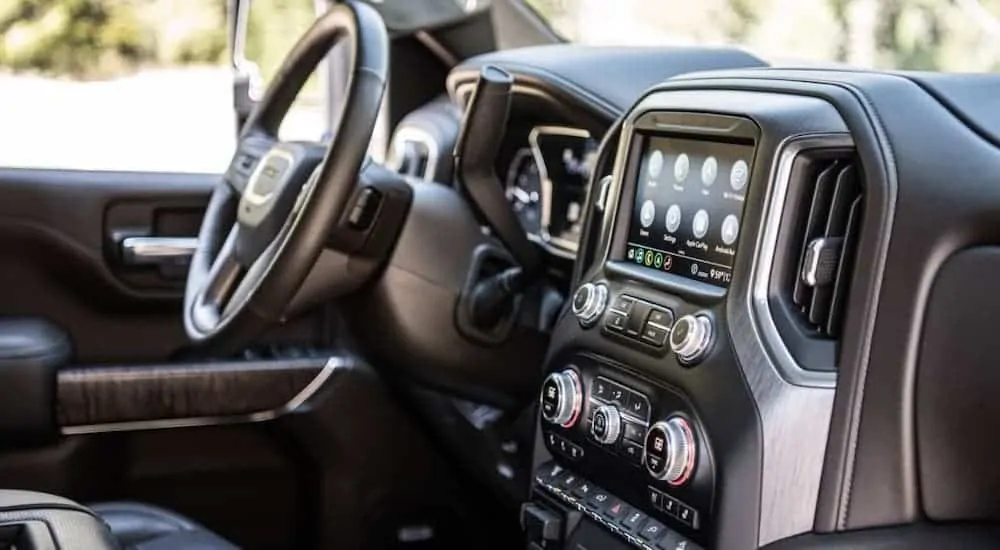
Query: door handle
x,y
158,250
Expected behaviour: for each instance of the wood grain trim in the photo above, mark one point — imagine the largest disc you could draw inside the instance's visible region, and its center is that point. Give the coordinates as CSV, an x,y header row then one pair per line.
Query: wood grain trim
x,y
102,395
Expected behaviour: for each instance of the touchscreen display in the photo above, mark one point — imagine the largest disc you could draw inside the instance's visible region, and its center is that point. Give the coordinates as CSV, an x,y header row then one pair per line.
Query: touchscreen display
x,y
688,208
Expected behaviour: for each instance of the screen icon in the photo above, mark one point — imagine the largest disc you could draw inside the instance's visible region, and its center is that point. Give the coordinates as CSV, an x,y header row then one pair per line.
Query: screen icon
x,y
739,175
658,260
730,229
673,218
682,166
649,257
709,171
655,164
631,253
647,214
638,255
694,269
700,224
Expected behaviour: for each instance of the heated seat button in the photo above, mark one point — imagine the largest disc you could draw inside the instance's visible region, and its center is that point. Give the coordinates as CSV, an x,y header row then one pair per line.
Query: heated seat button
x,y
638,405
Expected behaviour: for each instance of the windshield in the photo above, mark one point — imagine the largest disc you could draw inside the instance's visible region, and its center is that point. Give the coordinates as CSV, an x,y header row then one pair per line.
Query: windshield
x,y
939,35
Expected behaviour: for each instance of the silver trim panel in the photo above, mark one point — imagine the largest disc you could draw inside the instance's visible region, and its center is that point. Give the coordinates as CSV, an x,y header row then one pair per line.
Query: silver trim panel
x,y
293,404
157,250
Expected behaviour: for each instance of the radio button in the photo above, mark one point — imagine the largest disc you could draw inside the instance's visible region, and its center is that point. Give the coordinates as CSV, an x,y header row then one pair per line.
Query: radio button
x,y
623,304
691,338
661,318
589,302
615,321
654,335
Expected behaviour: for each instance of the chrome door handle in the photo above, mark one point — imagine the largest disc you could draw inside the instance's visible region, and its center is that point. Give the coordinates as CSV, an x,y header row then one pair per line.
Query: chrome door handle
x,y
158,250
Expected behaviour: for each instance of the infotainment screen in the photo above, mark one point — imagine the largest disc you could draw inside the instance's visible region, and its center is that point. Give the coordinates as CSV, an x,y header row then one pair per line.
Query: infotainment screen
x,y
688,208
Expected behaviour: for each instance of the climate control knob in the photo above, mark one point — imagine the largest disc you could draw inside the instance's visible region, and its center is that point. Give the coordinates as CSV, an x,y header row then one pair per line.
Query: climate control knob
x,y
691,338
670,451
589,302
562,397
607,425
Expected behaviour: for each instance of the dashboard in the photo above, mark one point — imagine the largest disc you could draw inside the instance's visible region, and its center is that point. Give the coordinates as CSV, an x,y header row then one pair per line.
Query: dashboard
x,y
546,185
731,367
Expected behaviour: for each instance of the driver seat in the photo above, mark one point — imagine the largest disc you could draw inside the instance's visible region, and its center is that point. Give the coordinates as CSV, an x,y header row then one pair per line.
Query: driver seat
x,y
139,526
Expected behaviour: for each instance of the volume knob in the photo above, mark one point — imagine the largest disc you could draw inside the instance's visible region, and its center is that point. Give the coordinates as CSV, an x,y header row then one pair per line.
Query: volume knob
x,y
589,302
691,338
607,424
670,451
561,399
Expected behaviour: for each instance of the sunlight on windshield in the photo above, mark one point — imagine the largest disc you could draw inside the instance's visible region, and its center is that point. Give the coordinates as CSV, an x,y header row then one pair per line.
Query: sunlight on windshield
x,y
944,35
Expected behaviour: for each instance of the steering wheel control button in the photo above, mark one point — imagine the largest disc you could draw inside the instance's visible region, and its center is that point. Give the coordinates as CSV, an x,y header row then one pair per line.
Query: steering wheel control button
x,y
365,209
691,338
670,451
589,302
607,425
562,396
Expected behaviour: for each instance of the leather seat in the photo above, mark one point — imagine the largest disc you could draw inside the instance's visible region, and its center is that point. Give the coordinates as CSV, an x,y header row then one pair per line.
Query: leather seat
x,y
139,526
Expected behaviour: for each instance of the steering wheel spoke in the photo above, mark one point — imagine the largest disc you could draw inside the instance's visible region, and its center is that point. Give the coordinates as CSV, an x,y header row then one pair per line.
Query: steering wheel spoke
x,y
249,152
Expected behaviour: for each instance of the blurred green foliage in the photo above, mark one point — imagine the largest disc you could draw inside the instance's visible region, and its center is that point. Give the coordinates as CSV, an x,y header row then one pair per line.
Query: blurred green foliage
x,y
88,39
950,35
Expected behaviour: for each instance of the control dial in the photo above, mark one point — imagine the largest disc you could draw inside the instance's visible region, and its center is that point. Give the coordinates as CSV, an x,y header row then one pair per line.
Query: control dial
x,y
589,302
670,451
691,338
562,396
607,424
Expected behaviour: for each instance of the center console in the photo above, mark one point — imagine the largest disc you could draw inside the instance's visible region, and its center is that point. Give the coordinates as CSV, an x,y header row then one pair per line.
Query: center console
x,y
657,422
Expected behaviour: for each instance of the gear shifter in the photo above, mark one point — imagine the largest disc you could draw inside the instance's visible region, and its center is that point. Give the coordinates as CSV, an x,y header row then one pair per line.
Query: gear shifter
x,y
476,149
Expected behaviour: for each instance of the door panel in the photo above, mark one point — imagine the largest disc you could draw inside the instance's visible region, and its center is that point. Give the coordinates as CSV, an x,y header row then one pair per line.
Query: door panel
x,y
61,261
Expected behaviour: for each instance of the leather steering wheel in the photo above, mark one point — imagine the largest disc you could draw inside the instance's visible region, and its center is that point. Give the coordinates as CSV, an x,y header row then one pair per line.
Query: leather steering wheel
x,y
268,219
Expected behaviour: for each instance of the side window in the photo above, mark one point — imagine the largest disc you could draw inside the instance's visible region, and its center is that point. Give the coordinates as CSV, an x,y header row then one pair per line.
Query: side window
x,y
115,85
273,28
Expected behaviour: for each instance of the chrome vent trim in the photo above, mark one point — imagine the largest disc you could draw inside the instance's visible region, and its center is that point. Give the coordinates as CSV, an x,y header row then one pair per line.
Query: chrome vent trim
x,y
763,261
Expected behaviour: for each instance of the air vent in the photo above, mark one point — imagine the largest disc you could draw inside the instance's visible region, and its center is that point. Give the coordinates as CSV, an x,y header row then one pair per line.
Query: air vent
x,y
826,242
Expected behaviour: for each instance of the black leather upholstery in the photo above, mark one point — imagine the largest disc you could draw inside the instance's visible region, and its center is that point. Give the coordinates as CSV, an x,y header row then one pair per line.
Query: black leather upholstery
x,y
140,526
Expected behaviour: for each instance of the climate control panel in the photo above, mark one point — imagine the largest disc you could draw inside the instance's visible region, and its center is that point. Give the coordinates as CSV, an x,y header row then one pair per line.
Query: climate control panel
x,y
633,436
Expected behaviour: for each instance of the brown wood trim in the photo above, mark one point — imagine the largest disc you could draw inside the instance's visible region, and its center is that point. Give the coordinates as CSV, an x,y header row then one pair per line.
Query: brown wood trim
x,y
100,395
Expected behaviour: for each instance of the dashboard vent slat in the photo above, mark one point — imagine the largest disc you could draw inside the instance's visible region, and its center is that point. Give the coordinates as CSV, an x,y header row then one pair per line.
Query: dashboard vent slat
x,y
802,293
828,244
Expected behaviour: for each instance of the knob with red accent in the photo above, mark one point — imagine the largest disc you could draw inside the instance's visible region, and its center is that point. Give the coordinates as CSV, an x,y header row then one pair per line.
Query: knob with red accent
x,y
562,398
670,451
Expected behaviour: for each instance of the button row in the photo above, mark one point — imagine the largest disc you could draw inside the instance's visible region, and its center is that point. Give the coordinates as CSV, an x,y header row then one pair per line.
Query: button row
x,y
674,508
640,321
630,401
563,447
607,509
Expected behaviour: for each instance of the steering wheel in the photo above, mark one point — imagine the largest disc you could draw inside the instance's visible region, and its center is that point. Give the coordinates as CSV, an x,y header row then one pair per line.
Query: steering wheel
x,y
269,217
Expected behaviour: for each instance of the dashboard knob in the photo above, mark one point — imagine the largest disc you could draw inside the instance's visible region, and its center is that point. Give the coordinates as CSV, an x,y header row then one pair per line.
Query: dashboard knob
x,y
589,302
691,338
670,450
607,424
562,396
